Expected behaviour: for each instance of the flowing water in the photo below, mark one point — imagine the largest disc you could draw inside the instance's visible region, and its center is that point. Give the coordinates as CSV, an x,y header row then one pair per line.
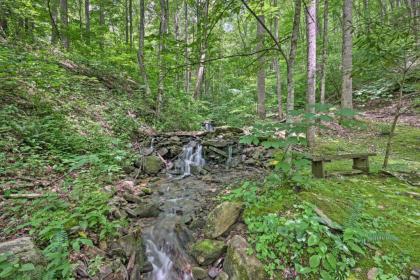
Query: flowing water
x,y
192,155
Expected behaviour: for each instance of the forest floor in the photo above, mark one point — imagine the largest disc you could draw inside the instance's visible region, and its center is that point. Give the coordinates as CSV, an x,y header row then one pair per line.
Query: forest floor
x,y
67,137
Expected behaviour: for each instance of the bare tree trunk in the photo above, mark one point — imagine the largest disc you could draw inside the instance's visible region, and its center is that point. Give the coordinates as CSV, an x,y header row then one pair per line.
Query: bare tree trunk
x,y
261,70
130,15
176,32
162,35
80,11
187,68
277,67
101,22
324,53
292,57
346,86
140,54
65,23
87,18
126,22
53,11
311,68
203,52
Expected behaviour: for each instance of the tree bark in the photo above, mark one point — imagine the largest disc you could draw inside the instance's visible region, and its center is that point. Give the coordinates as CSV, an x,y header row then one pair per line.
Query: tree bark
x,y
126,23
140,54
276,67
87,19
101,22
292,58
324,64
162,35
311,69
203,53
187,68
347,63
130,15
261,70
53,11
64,23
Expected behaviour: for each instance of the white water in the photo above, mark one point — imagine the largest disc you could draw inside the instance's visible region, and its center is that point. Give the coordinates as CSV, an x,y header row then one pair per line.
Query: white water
x,y
192,155
208,126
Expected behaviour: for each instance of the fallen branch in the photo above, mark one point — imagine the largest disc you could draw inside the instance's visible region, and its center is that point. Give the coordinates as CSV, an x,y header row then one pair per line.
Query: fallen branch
x,y
23,195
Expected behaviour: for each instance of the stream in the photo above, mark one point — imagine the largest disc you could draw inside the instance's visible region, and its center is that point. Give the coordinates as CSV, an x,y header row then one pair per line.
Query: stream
x,y
183,199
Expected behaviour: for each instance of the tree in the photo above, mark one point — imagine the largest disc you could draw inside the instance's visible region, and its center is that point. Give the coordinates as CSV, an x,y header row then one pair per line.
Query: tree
x,y
311,68
163,29
323,65
140,53
261,69
187,68
346,62
87,18
276,67
130,15
292,57
203,50
64,24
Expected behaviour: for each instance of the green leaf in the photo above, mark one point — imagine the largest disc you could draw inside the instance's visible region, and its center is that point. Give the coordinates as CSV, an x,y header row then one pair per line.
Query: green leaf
x,y
314,261
313,240
27,267
331,260
325,275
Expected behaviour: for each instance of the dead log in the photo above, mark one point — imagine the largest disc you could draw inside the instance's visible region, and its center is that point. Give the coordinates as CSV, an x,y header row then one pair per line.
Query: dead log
x,y
23,195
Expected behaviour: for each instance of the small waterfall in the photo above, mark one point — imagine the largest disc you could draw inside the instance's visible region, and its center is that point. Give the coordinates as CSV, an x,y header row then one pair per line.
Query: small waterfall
x,y
229,159
208,126
192,155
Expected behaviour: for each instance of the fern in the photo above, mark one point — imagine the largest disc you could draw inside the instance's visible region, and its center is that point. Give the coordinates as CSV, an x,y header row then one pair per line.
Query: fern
x,y
355,216
376,236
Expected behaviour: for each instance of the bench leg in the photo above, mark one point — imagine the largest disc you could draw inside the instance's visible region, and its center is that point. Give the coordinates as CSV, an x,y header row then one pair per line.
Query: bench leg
x,y
361,164
318,169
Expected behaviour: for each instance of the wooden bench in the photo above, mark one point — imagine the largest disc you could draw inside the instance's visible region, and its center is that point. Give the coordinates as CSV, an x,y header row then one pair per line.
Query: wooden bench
x,y
360,162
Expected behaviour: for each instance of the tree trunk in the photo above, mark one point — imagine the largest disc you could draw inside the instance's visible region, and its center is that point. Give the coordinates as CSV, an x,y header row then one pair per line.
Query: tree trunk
x,y
64,23
346,86
292,57
101,23
162,35
53,11
324,53
140,54
311,69
276,67
187,68
261,70
126,23
87,19
80,11
203,52
130,15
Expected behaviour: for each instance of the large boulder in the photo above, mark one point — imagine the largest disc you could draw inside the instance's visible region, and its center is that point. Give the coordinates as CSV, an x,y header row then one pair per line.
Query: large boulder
x,y
221,218
152,165
239,265
23,249
207,251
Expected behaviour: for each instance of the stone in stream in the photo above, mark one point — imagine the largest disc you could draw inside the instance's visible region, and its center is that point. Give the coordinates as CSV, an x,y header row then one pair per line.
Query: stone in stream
x,y
199,273
146,210
152,165
221,218
222,276
132,198
207,251
239,265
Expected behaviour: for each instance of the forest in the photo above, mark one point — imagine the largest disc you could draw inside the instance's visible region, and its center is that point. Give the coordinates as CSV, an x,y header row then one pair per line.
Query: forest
x,y
209,139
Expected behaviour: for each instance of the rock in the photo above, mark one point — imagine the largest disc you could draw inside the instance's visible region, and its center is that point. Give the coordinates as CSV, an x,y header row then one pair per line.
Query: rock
x,y
146,191
199,273
152,165
23,249
239,265
147,267
415,273
163,151
146,210
222,276
221,218
213,272
132,198
92,252
372,273
105,271
207,251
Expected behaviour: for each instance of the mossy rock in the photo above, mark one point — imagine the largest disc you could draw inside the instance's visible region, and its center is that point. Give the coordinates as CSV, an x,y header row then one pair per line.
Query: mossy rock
x,y
239,265
152,165
222,218
207,251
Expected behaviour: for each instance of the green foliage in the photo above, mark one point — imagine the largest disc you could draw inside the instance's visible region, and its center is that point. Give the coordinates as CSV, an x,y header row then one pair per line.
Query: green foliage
x,y
11,268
